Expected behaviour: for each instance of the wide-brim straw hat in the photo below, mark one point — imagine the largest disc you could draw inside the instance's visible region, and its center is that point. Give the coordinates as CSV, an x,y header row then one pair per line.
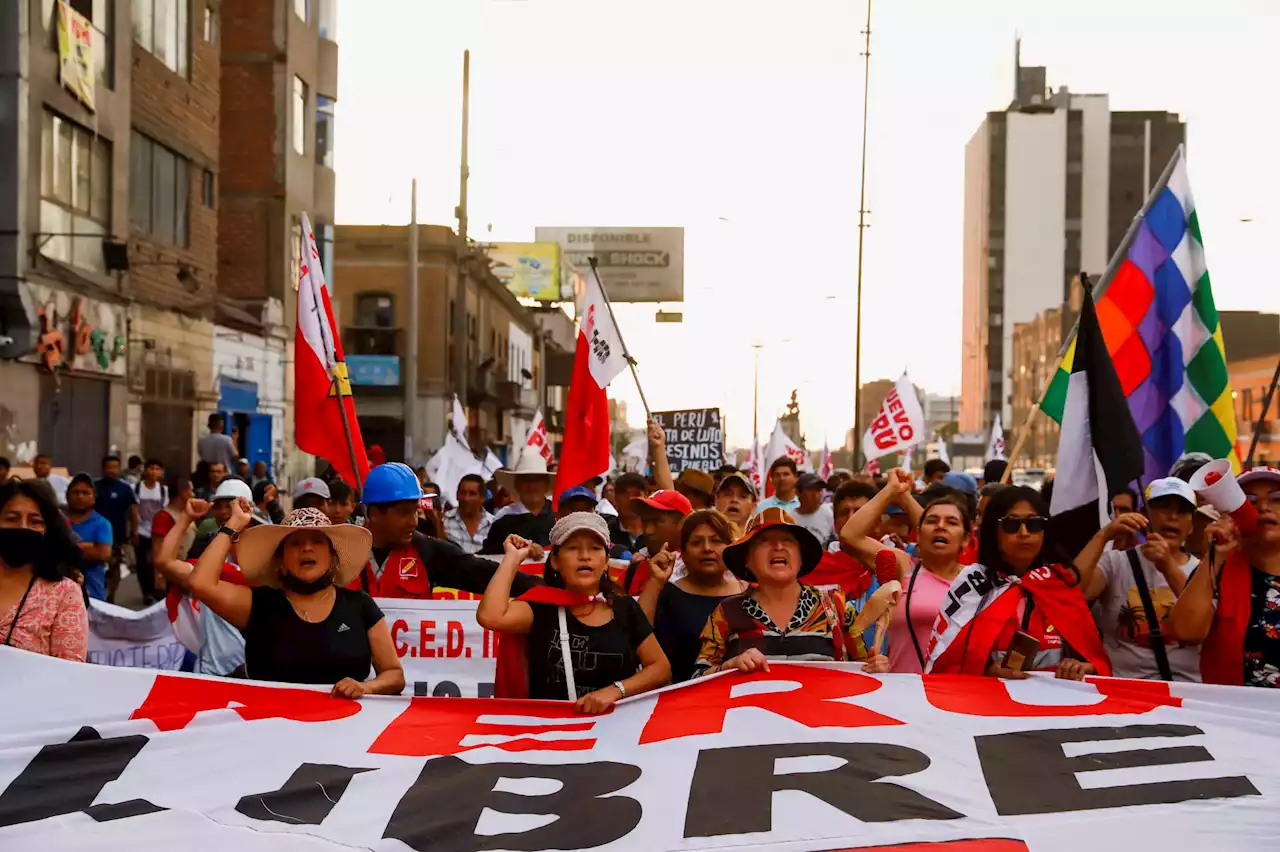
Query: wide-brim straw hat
x,y
735,555
531,463
256,550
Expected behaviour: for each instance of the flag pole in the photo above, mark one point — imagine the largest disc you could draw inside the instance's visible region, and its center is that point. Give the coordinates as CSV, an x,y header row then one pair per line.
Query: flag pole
x,y
626,353
1257,426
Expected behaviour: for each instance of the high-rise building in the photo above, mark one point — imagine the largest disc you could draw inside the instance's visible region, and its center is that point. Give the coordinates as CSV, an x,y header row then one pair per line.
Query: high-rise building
x,y
1051,185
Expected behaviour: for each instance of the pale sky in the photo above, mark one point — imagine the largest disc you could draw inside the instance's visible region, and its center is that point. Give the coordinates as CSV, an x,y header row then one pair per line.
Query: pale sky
x,y
740,120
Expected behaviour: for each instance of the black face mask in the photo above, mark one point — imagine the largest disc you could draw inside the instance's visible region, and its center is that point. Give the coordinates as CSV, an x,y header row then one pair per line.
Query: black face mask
x,y
305,587
20,547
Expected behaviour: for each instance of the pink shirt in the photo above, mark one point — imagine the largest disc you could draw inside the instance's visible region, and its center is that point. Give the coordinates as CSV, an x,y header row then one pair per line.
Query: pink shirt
x,y
927,597
53,621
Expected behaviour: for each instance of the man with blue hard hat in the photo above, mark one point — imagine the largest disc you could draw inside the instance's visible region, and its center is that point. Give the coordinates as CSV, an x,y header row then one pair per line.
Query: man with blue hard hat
x,y
404,562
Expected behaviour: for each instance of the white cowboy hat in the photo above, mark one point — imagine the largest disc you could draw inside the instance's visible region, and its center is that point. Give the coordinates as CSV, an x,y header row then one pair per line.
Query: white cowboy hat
x,y
531,463
258,545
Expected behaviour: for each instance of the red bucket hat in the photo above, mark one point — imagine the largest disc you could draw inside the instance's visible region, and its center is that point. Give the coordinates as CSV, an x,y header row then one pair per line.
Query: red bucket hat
x,y
735,555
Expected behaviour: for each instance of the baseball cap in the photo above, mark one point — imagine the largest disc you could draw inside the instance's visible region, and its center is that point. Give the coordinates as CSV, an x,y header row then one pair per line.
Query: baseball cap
x,y
576,522
740,478
1171,486
894,509
579,492
697,480
809,482
233,489
311,485
666,501
1256,473
962,482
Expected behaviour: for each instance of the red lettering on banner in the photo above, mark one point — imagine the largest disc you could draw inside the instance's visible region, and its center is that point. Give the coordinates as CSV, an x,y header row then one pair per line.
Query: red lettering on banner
x,y
426,638
438,726
396,629
987,696
884,440
701,708
906,433
174,701
454,631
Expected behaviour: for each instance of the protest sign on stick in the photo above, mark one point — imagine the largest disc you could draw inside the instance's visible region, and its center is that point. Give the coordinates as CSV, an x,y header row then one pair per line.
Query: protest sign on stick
x,y
695,438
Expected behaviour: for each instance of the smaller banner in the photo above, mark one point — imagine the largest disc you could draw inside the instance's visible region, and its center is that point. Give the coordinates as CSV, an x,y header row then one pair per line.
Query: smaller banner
x,y
137,640
694,438
75,53
898,426
444,650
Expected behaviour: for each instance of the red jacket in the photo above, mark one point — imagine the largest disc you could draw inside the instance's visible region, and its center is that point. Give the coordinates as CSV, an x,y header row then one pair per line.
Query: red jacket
x,y
410,571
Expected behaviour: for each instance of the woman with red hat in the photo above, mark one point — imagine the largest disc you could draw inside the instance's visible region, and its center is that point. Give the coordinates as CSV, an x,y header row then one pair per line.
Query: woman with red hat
x,y
584,639
1234,605
781,618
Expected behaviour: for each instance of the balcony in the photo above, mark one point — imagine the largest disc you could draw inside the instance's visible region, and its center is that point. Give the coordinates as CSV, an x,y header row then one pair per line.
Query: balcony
x,y
371,340
515,397
481,387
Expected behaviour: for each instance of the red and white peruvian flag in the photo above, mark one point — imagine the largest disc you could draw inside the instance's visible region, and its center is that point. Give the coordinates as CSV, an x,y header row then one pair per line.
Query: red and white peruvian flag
x,y
828,465
599,358
780,446
321,389
538,440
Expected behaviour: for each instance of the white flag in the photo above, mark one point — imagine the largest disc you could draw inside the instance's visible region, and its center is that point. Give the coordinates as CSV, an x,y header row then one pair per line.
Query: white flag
x,y
898,426
780,444
943,455
601,335
448,466
638,450
460,422
492,464
538,440
995,448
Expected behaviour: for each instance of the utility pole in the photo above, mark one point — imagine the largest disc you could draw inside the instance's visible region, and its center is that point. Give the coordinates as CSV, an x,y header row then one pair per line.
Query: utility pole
x,y
862,226
413,441
755,397
460,330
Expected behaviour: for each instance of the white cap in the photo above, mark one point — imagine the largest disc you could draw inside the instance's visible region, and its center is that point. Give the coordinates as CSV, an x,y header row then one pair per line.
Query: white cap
x,y
232,489
1171,486
312,485
1256,473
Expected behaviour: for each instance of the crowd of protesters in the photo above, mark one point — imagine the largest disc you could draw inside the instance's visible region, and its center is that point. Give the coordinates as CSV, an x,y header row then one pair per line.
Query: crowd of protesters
x,y
648,580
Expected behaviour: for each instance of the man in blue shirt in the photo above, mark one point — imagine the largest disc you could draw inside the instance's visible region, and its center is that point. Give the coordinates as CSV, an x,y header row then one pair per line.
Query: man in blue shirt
x,y
93,532
117,502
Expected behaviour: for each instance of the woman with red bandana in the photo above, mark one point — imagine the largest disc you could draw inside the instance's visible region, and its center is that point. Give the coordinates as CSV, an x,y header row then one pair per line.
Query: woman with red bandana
x,y
1233,605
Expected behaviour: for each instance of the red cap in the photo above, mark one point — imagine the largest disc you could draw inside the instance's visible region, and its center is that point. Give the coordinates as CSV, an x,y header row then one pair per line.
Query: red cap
x,y
666,501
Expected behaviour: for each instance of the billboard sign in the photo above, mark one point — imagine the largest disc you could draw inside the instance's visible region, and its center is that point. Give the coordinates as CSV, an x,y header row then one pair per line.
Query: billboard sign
x,y
529,270
636,264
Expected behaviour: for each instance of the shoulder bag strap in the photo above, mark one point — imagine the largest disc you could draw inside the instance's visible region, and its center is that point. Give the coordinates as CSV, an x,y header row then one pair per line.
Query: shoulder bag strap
x,y
1153,623
911,628
564,652
8,638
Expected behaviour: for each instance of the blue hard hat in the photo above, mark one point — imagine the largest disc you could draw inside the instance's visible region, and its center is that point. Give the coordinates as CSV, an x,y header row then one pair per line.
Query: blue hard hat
x,y
391,483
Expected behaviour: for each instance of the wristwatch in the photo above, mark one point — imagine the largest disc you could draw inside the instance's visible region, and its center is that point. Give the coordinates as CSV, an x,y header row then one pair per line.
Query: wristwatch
x,y
621,688
234,535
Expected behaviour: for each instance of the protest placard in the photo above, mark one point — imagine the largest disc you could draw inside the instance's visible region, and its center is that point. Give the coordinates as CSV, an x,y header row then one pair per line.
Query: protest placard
x,y
694,438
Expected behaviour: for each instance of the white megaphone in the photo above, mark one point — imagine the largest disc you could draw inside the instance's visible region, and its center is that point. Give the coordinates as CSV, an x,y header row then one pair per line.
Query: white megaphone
x,y
1216,483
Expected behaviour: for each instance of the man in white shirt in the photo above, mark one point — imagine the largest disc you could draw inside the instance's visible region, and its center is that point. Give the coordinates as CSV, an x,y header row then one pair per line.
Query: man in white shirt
x,y
813,514
468,524
42,467
1163,566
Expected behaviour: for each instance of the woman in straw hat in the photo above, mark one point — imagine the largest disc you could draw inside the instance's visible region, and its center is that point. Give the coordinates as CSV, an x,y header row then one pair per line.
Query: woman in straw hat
x,y
782,618
586,641
299,622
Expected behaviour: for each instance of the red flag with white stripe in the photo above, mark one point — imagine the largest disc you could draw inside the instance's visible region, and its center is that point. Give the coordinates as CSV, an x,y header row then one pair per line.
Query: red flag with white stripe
x,y
321,389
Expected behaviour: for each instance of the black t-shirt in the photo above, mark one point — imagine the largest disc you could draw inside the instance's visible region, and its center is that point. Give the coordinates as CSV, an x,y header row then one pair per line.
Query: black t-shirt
x,y
601,655
678,622
279,645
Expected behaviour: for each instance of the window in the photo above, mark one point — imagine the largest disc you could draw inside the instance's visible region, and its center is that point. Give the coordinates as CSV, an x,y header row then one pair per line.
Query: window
x,y
210,26
158,191
75,192
302,8
324,131
206,192
327,19
160,27
375,310
100,15
299,115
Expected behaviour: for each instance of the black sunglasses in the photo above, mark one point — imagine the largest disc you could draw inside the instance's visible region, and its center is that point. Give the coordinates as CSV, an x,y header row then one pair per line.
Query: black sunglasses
x,y
1034,524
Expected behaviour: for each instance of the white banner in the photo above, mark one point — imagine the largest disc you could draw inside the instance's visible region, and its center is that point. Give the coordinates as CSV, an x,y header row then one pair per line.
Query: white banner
x,y
803,758
899,425
444,651
123,637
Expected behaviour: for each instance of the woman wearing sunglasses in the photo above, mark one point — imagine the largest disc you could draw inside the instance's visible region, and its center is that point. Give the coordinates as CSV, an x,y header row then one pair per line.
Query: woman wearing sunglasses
x,y
1016,611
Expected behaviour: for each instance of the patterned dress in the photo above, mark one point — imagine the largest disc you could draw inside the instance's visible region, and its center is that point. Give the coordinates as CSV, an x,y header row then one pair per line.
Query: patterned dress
x,y
739,623
1262,636
53,621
